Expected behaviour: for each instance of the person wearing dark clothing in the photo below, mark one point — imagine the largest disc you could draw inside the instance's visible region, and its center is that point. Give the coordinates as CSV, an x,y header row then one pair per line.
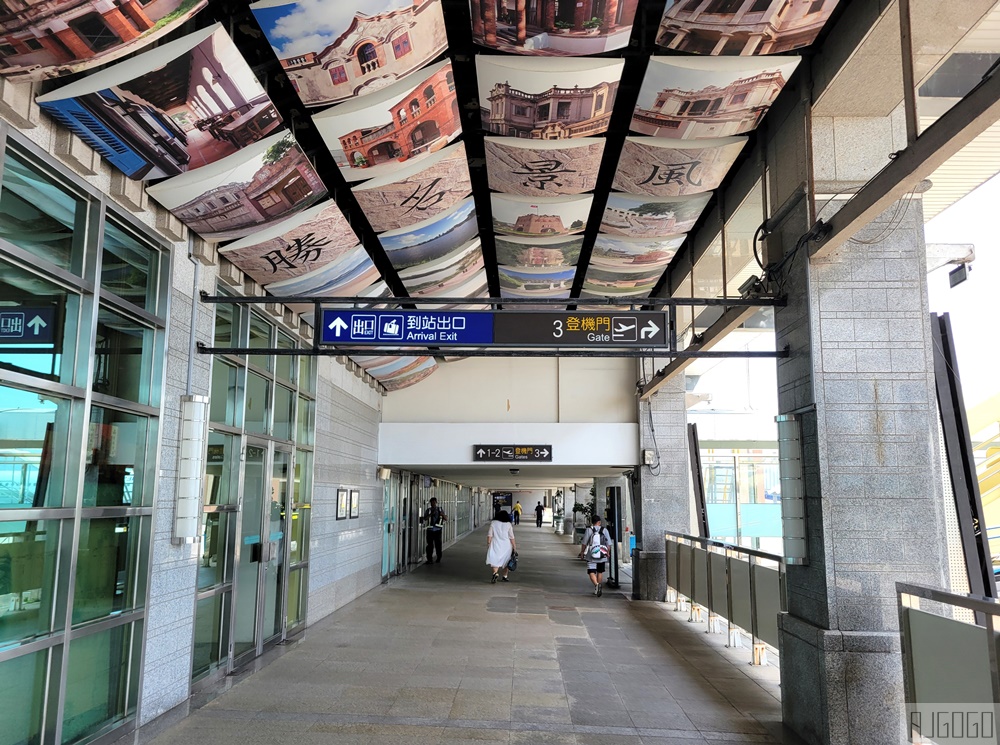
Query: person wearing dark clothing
x,y
434,518
539,511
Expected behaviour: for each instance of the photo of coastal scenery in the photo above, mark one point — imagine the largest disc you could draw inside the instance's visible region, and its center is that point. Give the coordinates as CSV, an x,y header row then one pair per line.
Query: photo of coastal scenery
x,y
431,239
309,240
627,254
179,107
443,276
61,37
552,99
261,185
371,136
547,217
538,252
333,50
348,276
543,167
669,168
650,217
537,282
742,27
702,97
417,191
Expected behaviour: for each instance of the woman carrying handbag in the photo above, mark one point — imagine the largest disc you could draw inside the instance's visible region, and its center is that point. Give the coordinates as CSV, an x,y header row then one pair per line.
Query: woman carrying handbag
x,y
500,546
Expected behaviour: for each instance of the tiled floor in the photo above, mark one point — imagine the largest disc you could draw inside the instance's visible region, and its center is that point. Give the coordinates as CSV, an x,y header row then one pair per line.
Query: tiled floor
x,y
442,656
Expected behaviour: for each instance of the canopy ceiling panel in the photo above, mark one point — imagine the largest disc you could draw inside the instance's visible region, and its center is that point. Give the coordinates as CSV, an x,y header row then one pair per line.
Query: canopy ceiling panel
x,y
349,275
181,106
412,118
336,50
260,185
525,252
48,40
431,239
543,168
614,253
668,168
649,217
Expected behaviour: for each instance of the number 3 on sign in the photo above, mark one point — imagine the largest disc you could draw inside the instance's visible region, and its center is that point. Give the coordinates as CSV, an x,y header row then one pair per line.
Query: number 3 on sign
x,y
557,329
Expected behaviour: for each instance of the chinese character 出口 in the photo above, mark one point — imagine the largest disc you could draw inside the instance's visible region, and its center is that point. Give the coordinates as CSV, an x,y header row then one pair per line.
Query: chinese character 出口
x,y
542,172
299,252
677,173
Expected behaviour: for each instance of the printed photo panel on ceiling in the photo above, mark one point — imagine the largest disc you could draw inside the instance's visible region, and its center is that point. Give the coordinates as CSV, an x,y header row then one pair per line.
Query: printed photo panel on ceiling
x,y
431,239
443,276
630,282
313,238
546,217
671,168
548,27
335,50
633,254
417,191
699,98
546,99
371,136
741,27
537,281
351,274
651,217
48,40
543,167
177,108
395,373
239,195
538,252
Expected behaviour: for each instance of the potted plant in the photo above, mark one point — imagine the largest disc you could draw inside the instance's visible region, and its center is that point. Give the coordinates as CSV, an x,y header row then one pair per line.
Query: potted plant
x,y
562,27
593,26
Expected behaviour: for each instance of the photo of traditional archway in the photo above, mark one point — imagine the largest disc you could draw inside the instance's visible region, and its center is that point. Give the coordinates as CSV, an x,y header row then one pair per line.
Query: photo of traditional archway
x,y
703,97
370,137
333,50
547,217
176,108
547,99
551,27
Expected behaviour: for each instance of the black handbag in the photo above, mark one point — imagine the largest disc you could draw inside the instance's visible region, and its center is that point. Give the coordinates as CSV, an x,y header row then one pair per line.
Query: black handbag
x,y
512,562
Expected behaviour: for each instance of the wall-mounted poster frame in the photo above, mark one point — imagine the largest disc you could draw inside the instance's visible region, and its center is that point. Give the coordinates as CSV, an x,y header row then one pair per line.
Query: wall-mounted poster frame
x,y
355,503
342,504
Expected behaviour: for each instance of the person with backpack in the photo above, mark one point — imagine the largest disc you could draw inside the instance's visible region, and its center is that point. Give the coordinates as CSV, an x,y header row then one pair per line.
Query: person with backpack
x,y
434,518
596,549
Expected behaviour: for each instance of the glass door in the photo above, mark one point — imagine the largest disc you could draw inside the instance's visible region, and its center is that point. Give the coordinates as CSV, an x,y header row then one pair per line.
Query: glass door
x,y
389,533
274,550
245,626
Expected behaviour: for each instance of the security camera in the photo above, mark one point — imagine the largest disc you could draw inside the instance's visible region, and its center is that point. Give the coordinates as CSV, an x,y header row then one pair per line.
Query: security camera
x,y
515,471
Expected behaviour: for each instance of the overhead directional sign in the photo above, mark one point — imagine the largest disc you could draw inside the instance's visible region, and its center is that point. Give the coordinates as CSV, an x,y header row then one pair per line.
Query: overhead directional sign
x,y
27,325
537,453
494,328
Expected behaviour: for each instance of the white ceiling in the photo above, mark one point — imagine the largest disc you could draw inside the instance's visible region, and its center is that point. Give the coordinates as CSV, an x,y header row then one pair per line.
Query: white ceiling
x,y
530,476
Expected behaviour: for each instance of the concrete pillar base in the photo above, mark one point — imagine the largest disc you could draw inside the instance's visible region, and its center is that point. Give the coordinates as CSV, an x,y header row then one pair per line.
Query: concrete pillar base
x,y
649,578
848,684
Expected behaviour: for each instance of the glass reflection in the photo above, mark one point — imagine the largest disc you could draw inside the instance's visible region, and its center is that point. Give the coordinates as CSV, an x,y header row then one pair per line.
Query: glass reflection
x,y
296,612
226,332
219,481
107,561
116,459
284,365
34,436
28,552
284,413
211,633
306,423
258,402
260,338
307,374
38,323
212,566
122,364
39,214
22,690
222,406
129,267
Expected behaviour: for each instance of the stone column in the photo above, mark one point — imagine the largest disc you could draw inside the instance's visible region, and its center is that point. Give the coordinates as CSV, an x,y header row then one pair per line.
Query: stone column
x,y
610,14
580,14
721,44
477,19
860,376
549,14
490,22
663,491
521,17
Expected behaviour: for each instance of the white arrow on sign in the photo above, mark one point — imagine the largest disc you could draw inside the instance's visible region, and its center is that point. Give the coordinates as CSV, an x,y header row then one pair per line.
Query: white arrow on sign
x,y
36,324
649,330
338,325
480,452
545,453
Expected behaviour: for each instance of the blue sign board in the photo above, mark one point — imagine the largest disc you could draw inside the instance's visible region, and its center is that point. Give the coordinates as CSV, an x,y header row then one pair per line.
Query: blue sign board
x,y
27,325
407,327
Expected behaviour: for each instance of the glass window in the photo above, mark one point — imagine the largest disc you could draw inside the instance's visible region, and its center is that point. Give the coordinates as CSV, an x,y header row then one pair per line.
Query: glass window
x,y
34,436
41,215
302,493
22,690
222,403
102,680
28,552
116,459
296,609
284,412
122,364
212,569
107,562
39,322
220,468
129,267
284,365
306,421
260,338
307,374
211,633
258,399
226,325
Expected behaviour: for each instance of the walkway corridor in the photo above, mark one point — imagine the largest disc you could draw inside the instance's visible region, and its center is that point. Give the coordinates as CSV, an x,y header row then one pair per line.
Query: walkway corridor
x,y
441,656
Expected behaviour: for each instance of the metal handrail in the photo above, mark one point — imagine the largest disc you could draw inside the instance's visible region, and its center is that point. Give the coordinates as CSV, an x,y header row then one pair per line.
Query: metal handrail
x,y
706,542
979,603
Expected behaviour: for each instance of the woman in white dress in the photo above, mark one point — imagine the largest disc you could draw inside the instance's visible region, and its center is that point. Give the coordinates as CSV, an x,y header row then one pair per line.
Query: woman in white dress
x,y
500,545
